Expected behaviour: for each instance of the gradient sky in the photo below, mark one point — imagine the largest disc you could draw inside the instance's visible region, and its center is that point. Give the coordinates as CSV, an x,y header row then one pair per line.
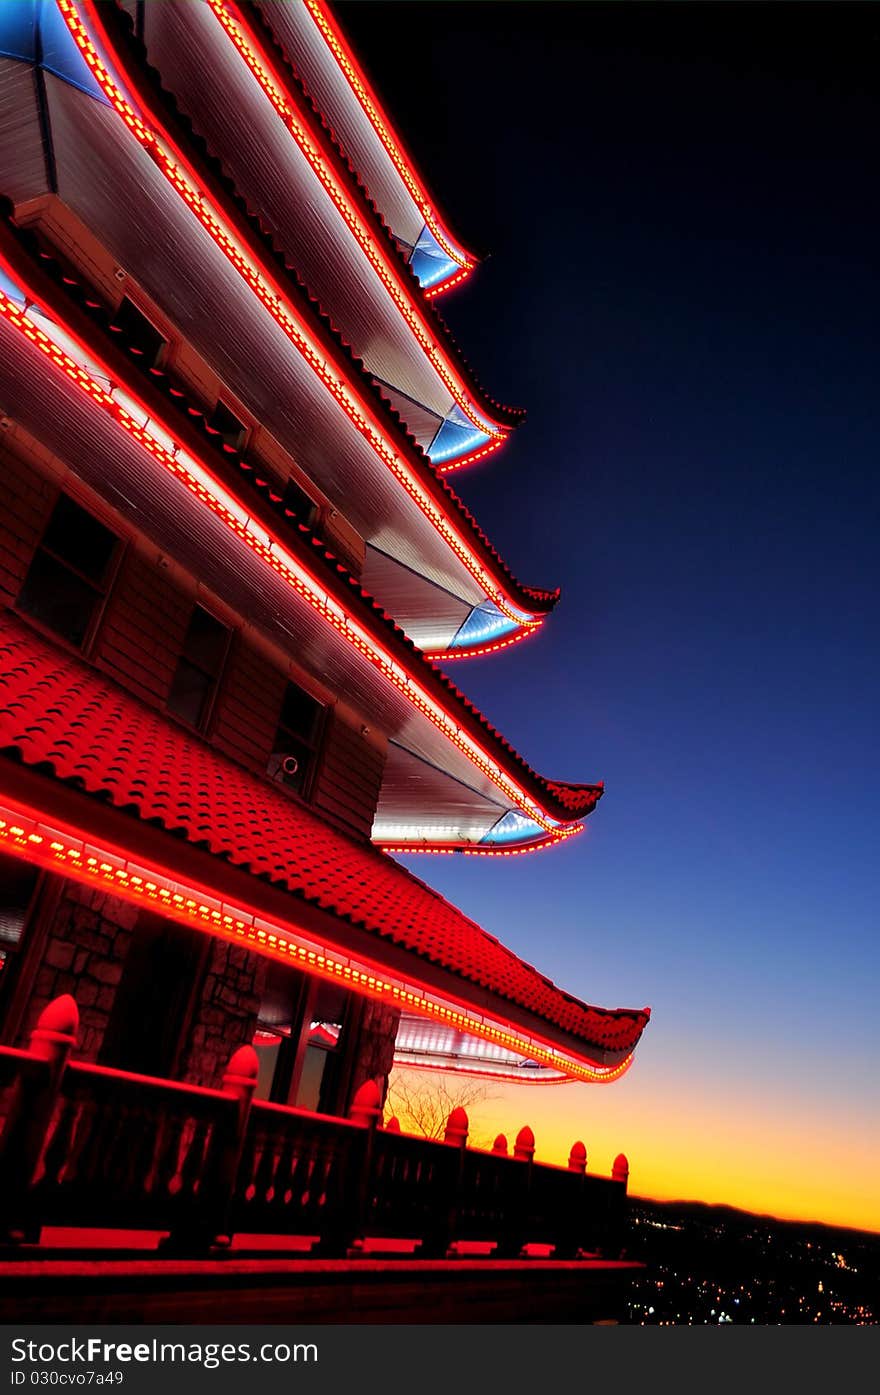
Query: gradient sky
x,y
680,209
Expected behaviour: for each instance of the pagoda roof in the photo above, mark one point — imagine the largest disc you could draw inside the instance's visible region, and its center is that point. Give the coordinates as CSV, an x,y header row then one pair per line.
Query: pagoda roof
x,y
311,39
166,479
73,725
219,68
362,457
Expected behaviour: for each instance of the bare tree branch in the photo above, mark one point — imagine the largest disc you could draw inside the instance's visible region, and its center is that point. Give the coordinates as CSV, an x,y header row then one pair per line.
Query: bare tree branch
x,y
423,1103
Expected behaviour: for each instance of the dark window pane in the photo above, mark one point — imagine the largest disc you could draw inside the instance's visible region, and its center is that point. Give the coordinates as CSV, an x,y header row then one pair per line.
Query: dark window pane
x,y
330,1004
205,643
268,1049
79,539
53,595
299,503
17,884
293,751
278,1027
308,1095
137,332
227,423
190,693
300,713
147,1026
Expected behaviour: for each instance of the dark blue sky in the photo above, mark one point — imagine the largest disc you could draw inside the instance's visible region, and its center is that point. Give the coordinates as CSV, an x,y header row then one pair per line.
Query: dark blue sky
x,y
680,206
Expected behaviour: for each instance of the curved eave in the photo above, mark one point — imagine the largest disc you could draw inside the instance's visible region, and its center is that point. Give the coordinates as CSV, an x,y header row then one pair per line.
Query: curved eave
x,y
424,1045
468,848
357,105
282,86
42,379
127,798
83,851
288,302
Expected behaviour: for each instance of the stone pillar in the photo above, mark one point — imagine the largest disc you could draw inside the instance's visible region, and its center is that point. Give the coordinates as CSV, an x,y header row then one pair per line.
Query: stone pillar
x,y
224,1017
373,1049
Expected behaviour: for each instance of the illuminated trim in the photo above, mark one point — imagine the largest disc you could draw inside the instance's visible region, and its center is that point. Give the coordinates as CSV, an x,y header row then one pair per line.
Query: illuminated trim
x,y
263,70
441,287
449,465
184,181
479,650
69,853
205,487
479,849
371,108
509,1077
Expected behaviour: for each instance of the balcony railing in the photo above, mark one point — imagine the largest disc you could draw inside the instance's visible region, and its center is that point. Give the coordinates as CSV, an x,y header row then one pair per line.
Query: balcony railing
x,y
85,1146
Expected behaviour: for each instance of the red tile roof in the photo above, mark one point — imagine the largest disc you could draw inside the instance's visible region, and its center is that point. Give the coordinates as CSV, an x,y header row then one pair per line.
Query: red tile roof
x,y
60,715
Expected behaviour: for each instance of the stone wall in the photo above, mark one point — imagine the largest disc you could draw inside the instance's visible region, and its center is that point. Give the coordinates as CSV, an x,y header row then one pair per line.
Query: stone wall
x,y
224,1016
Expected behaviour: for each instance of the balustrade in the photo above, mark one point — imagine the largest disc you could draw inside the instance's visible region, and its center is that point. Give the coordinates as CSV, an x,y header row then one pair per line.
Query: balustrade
x,y
91,1147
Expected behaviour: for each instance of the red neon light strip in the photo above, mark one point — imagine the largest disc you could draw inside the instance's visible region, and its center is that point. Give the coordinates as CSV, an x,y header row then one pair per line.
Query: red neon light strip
x,y
480,454
437,654
371,108
272,552
272,85
70,853
441,287
184,181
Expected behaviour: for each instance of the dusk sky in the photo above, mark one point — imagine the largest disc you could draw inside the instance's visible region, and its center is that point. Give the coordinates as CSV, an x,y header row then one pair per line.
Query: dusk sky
x,y
679,207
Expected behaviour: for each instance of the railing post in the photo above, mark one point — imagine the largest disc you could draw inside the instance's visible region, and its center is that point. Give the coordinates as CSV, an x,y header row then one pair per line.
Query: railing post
x,y
500,1145
577,1158
209,1225
346,1229
456,1130
436,1243
524,1145
514,1237
619,1173
31,1110
240,1081
570,1225
393,1125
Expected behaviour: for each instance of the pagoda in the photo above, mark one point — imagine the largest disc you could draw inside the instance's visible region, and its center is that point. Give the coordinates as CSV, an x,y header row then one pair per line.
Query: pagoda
x,y
233,570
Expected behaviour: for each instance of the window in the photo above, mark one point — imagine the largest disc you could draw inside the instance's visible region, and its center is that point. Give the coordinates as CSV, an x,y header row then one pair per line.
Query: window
x,y
18,888
297,739
299,503
138,334
320,1078
69,575
227,425
198,671
300,1041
